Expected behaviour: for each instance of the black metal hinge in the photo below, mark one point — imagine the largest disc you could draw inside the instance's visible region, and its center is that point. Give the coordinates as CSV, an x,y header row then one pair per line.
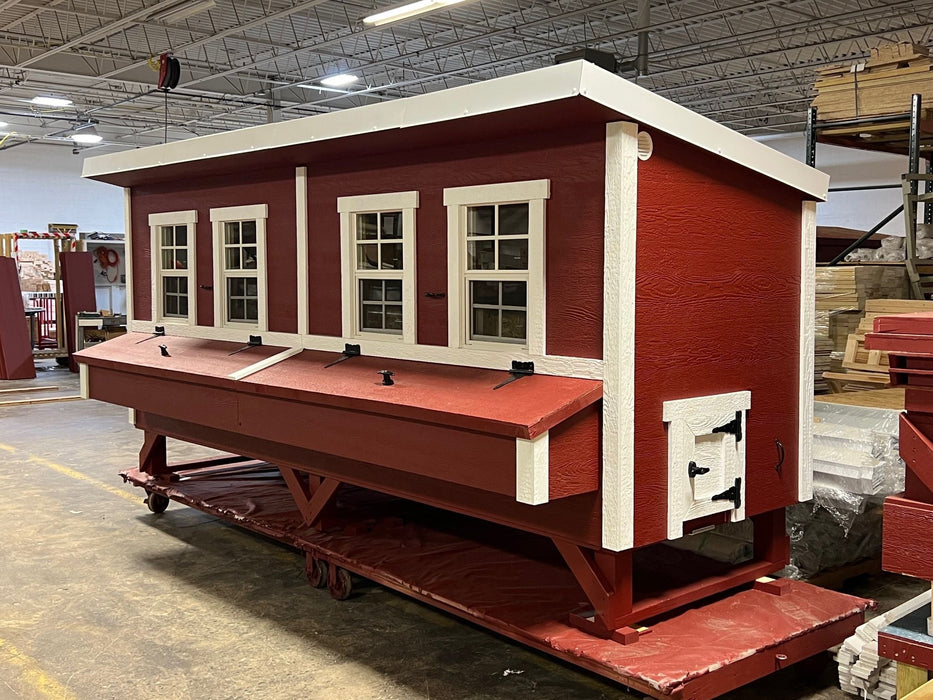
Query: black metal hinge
x,y
348,352
519,369
255,341
733,493
733,427
693,470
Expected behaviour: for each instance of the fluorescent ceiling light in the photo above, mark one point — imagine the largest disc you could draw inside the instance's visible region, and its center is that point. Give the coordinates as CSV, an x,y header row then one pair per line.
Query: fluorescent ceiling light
x,y
339,80
47,101
86,134
183,11
405,11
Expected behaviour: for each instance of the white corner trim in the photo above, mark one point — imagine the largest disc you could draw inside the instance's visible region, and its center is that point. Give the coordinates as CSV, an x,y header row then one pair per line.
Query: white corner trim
x,y
131,415
246,211
703,412
807,330
83,382
128,252
264,364
170,218
360,204
557,365
301,245
531,470
497,193
618,477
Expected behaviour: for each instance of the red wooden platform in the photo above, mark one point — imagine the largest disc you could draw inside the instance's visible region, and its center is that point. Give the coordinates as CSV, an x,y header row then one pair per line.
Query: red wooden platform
x,y
516,584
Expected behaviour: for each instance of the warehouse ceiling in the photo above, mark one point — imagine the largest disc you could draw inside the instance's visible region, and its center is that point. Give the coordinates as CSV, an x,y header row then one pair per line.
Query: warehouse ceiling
x,y
749,65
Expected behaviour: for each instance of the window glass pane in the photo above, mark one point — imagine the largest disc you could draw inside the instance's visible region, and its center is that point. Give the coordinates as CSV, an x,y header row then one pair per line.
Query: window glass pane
x,y
367,226
393,317
513,325
485,293
248,232
371,290
181,259
182,284
481,255
252,310
513,219
236,286
171,305
391,256
480,221
252,286
371,317
168,260
250,261
393,290
514,294
166,235
232,259
513,254
232,232
181,235
236,310
392,224
486,322
367,256
170,285
183,305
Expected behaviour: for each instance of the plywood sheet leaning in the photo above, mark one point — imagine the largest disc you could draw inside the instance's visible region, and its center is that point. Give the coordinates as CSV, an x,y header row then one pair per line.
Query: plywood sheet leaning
x,y
16,361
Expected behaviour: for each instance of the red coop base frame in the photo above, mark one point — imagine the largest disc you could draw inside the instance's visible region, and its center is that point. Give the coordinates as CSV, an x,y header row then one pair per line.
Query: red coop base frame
x,y
699,653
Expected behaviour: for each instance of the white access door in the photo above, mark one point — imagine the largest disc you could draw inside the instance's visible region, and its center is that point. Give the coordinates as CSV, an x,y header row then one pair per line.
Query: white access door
x,y
705,458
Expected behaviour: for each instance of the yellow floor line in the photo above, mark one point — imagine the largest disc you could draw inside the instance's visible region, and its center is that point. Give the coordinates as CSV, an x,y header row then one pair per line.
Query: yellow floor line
x,y
32,674
67,471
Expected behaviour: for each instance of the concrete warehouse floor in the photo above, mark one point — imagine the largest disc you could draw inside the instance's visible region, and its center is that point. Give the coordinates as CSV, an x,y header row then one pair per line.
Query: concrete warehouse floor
x,y
101,599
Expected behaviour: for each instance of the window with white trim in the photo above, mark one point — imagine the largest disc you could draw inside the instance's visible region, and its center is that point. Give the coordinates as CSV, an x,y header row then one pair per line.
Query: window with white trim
x,y
378,265
240,266
496,265
172,237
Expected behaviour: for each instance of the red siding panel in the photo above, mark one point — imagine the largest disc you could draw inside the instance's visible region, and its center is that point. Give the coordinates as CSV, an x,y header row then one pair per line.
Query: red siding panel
x,y
273,187
717,310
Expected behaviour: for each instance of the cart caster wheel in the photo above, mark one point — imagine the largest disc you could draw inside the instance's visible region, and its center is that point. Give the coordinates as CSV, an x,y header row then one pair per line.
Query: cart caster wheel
x,y
156,502
341,585
316,570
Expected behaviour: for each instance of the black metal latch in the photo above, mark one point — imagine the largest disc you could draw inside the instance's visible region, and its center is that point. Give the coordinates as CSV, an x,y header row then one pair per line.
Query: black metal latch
x,y
157,332
733,493
693,470
348,352
519,370
255,341
733,427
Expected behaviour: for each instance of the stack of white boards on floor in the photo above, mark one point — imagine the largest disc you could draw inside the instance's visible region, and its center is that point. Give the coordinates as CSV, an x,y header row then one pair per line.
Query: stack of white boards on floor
x,y
855,447
861,671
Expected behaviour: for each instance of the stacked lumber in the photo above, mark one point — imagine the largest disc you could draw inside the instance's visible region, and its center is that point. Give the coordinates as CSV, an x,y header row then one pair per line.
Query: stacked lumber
x,y
881,85
862,671
841,295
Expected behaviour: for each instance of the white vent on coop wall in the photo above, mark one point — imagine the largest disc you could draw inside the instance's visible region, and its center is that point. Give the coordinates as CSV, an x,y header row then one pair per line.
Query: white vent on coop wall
x,y
705,458
645,145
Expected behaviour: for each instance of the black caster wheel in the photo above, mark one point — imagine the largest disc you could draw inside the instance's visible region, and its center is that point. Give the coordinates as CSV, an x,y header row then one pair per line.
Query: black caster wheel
x,y
341,585
316,570
156,502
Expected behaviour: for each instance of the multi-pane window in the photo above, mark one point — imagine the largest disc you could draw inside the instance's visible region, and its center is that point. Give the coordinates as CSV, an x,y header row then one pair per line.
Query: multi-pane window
x,y
497,241
379,267
241,281
173,297
496,264
239,266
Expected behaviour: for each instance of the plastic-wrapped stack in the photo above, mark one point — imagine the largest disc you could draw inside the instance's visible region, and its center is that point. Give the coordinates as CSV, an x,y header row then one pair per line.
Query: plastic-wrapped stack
x,y
861,671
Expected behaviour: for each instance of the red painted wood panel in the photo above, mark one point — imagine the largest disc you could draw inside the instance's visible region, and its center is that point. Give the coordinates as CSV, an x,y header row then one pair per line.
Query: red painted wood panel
x,y
907,546
16,361
717,310
573,159
275,187
575,454
575,518
77,294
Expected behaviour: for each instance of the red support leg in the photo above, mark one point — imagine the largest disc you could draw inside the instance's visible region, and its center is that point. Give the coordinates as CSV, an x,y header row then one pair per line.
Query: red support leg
x,y
152,457
606,579
772,543
311,497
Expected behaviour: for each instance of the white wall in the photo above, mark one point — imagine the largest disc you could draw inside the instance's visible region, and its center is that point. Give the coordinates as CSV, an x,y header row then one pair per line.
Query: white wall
x,y
849,167
43,185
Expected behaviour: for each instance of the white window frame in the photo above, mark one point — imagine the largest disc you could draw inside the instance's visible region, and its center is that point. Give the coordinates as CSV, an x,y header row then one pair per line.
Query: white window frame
x,y
259,213
457,200
188,218
348,208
